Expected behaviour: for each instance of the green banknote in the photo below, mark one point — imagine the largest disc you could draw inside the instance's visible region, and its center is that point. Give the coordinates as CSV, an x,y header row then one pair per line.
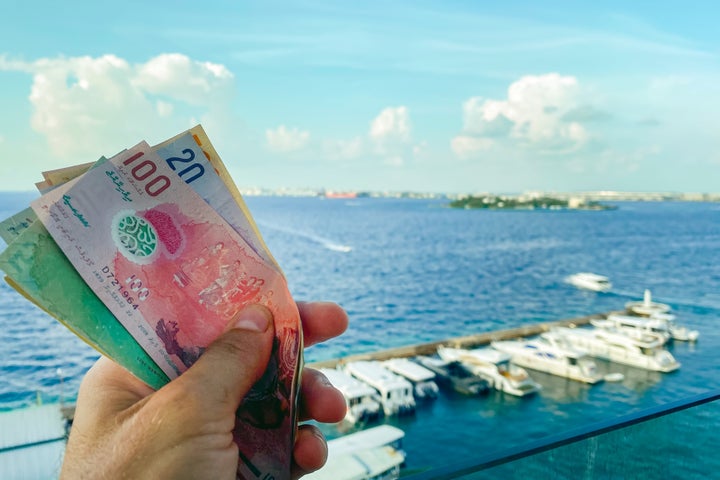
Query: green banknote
x,y
12,227
36,266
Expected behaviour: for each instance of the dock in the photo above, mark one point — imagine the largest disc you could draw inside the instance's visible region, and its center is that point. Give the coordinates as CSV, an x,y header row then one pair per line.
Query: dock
x,y
469,341
430,348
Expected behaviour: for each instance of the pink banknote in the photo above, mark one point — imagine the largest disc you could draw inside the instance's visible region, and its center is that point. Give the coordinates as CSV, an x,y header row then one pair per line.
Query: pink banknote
x,y
174,273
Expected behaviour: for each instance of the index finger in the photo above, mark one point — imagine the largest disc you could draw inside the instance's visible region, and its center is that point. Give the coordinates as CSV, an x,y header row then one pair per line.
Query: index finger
x,y
321,321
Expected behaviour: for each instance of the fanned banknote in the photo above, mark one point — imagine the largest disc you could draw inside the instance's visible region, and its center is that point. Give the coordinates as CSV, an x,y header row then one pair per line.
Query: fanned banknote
x,y
38,269
174,273
196,169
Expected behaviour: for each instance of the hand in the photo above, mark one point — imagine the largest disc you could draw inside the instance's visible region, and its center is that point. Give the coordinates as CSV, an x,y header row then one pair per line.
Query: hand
x,y
124,429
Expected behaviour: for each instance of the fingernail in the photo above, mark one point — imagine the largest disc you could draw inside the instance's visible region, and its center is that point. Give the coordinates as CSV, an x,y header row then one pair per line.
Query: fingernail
x,y
254,318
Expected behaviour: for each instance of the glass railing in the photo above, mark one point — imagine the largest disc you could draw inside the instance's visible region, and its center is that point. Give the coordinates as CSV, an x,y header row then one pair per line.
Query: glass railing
x,y
674,440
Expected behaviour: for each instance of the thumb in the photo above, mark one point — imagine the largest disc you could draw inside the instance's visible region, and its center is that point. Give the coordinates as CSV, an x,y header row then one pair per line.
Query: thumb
x,y
234,361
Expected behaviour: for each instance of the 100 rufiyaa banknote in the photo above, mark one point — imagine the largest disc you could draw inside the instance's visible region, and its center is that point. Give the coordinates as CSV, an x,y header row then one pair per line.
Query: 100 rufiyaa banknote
x,y
172,271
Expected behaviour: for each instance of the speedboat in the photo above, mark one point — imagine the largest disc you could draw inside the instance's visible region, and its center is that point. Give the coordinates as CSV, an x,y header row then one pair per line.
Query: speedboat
x,y
454,376
647,307
493,366
590,281
677,332
423,380
547,354
363,402
396,393
646,352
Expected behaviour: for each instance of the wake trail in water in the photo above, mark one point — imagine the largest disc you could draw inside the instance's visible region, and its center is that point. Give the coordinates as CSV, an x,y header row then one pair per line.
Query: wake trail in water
x,y
311,236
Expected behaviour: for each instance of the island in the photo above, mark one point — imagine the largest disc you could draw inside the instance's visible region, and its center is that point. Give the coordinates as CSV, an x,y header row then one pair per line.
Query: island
x,y
493,202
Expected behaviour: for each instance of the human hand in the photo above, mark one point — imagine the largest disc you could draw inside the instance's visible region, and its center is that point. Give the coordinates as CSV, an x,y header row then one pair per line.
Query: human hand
x,y
124,429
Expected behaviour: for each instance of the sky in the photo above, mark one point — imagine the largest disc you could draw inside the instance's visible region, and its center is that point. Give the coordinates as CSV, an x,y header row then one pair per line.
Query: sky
x,y
451,96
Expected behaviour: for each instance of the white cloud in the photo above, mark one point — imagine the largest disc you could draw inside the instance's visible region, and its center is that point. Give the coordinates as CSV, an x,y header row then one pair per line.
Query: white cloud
x,y
392,124
96,105
284,140
344,149
466,146
534,115
180,77
391,136
388,141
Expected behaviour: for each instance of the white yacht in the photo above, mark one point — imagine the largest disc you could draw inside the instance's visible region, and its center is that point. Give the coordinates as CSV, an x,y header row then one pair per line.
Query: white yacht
x,y
396,393
641,328
590,281
423,380
662,324
363,402
644,353
493,366
548,354
373,454
647,307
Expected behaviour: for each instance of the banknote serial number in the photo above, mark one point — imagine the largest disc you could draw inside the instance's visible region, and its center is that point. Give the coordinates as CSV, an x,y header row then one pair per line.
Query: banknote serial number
x,y
131,290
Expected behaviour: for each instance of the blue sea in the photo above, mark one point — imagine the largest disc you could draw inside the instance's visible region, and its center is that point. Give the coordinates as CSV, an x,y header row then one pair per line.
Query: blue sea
x,y
410,271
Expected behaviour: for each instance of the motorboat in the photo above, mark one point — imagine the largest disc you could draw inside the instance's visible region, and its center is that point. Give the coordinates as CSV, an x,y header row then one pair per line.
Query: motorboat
x,y
455,376
647,353
643,328
547,354
423,380
646,307
677,332
375,453
396,393
495,367
363,401
590,281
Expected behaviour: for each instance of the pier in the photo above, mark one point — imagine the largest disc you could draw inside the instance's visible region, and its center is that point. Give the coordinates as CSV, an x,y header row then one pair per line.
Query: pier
x,y
430,348
469,341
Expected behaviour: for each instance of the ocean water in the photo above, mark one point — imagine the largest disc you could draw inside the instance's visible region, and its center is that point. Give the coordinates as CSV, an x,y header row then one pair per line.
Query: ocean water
x,y
410,271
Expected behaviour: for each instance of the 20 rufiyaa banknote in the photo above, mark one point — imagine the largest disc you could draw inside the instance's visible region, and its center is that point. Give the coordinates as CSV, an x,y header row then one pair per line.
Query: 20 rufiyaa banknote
x,y
174,273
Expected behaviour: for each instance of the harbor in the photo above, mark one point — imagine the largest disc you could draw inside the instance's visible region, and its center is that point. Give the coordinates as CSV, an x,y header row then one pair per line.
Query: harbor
x,y
404,380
